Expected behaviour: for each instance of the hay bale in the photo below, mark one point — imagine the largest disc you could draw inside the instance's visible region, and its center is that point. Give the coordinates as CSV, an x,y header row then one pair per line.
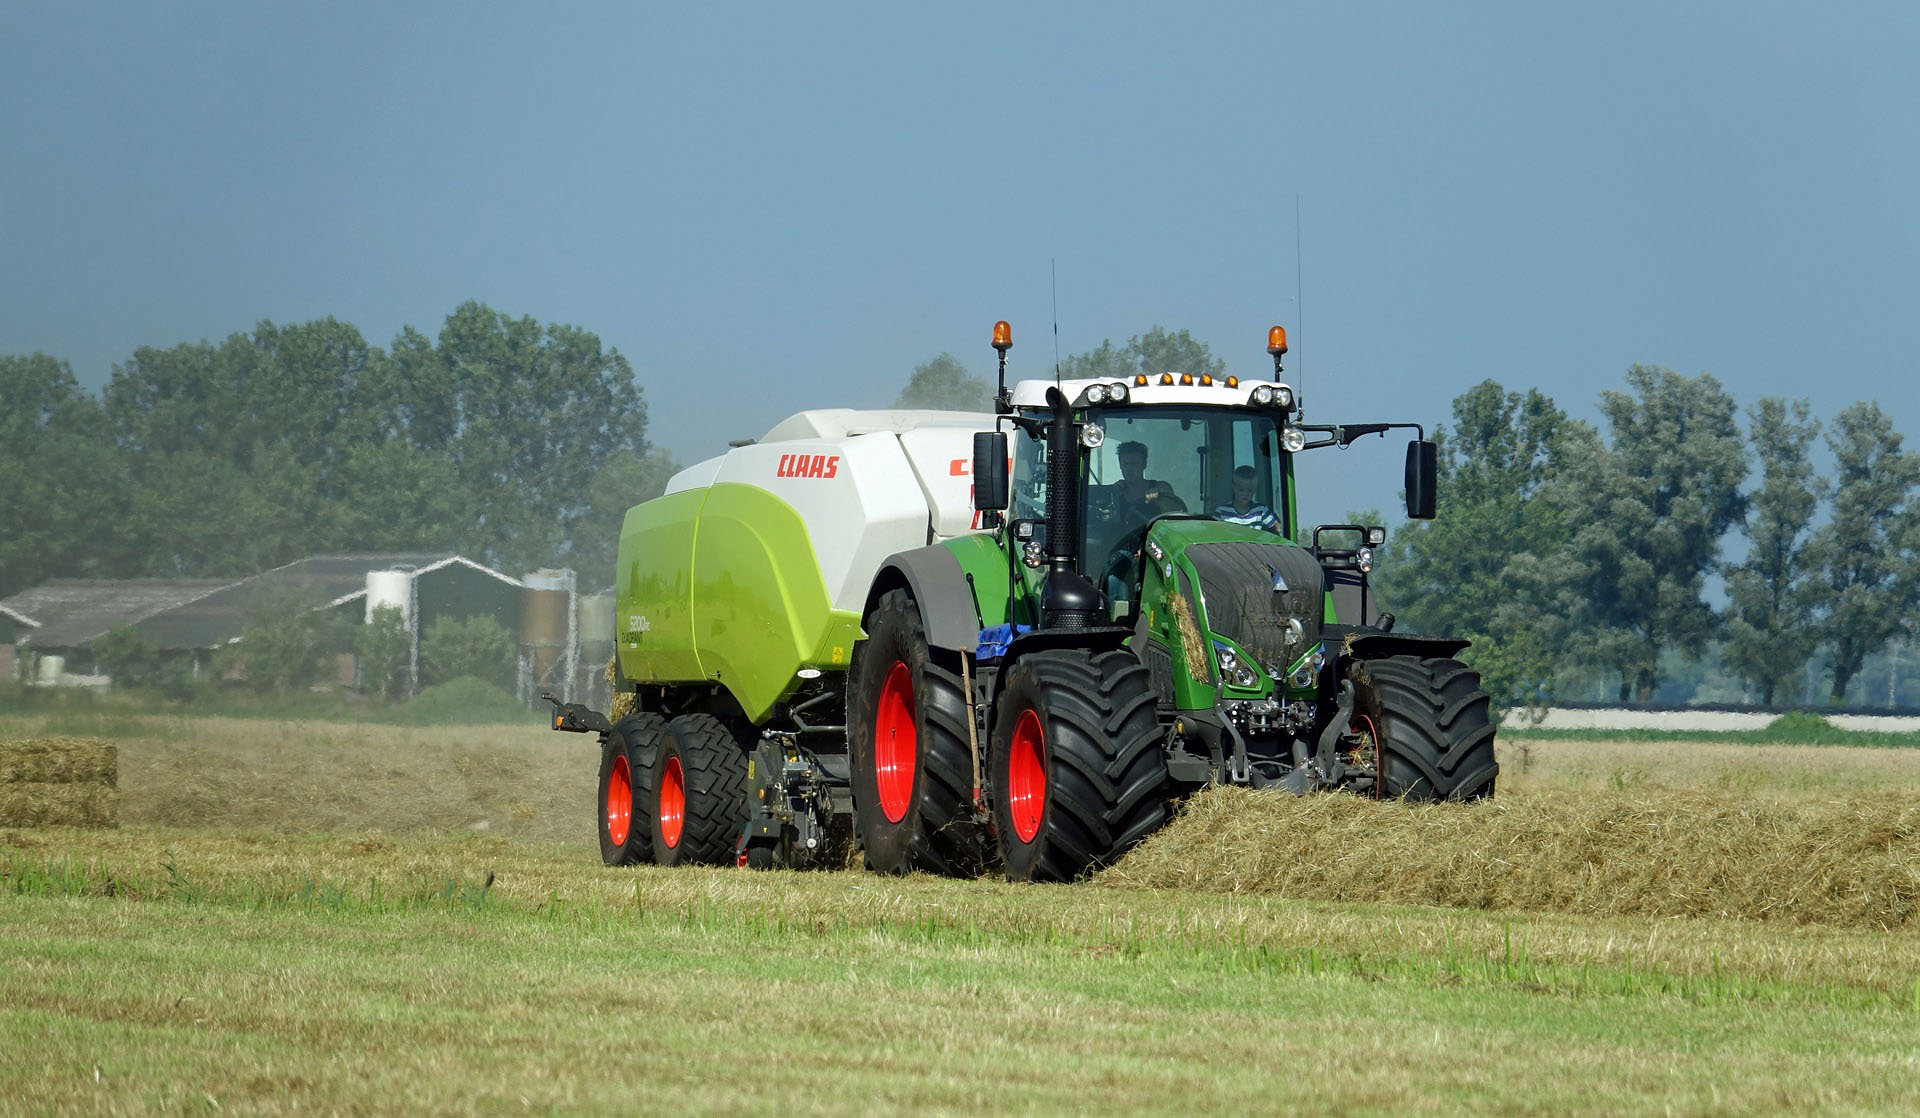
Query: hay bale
x,y
59,805
1666,853
59,782
59,761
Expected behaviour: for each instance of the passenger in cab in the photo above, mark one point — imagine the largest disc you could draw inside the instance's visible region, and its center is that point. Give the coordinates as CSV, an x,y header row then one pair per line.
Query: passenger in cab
x,y
1245,509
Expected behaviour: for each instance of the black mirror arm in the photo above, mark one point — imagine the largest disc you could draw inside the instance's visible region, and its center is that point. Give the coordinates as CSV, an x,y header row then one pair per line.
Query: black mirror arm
x,y
1344,434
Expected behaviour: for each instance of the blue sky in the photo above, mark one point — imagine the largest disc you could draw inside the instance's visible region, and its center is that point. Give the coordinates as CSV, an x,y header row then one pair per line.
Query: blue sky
x,y
771,207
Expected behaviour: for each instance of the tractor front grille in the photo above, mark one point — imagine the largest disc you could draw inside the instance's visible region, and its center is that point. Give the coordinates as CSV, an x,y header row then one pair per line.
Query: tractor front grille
x,y
1238,582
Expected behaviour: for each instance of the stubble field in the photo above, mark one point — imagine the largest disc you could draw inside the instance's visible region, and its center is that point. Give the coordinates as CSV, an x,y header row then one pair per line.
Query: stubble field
x,y
310,916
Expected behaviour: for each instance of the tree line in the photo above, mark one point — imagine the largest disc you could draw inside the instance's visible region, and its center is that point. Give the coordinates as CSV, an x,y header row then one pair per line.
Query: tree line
x,y
1574,554
516,443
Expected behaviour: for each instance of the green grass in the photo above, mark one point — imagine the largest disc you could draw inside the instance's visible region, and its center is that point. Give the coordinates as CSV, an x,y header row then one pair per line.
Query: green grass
x,y
305,915
264,972
118,714
1796,728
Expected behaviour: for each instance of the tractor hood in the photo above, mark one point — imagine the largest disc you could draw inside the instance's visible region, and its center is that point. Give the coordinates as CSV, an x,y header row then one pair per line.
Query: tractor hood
x,y
1253,588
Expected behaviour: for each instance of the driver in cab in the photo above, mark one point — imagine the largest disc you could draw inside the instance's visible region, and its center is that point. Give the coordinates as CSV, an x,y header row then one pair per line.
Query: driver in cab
x,y
1136,497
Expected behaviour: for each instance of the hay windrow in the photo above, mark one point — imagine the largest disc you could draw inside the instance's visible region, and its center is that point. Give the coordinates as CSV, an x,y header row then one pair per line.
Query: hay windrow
x,y
58,761
1853,863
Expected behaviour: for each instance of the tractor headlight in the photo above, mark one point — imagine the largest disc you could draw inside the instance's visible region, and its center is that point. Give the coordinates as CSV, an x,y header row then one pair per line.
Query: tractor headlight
x,y
1308,673
1262,395
1092,435
1117,393
1233,670
1364,559
1283,397
1294,439
1097,394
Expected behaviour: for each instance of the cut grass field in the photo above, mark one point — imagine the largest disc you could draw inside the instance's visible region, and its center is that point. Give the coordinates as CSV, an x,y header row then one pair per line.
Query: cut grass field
x,y
302,917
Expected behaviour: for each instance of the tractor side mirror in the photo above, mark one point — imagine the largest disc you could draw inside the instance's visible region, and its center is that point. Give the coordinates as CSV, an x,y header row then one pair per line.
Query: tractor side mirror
x,y
989,470
1423,471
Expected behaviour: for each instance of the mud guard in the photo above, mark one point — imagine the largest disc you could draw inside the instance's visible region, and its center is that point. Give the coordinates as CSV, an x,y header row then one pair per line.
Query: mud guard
x,y
939,587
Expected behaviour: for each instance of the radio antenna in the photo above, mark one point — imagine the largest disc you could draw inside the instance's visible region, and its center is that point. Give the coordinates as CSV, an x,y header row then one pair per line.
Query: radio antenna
x,y
1299,313
1053,275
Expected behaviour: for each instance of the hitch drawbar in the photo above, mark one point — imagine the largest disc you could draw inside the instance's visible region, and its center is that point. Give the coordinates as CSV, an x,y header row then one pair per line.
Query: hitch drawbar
x,y
577,718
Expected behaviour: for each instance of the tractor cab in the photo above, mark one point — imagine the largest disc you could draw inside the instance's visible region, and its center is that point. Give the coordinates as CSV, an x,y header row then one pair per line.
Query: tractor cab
x,y
1140,463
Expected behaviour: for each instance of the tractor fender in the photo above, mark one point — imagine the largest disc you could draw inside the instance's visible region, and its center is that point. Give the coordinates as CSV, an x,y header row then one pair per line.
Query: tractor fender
x,y
939,588
1363,645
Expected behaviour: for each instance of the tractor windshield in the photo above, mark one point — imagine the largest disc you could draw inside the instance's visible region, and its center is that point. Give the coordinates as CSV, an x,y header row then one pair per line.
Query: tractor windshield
x,y
1223,463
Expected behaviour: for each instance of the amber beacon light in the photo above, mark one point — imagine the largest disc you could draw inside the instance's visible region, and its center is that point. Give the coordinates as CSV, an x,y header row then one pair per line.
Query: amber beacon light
x,y
1003,336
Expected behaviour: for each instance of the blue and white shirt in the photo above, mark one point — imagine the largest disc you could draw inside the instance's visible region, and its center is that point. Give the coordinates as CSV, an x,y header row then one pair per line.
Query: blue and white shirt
x,y
1256,516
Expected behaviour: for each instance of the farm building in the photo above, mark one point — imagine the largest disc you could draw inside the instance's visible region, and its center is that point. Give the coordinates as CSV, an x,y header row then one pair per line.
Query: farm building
x,y
53,626
14,625
61,619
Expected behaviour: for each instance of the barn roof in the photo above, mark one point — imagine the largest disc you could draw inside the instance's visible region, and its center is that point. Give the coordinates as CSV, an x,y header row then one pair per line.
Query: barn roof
x,y
205,613
69,612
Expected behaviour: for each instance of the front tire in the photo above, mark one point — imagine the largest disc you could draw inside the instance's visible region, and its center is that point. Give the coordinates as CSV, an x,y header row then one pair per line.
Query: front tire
x,y
626,765
1432,726
699,793
1079,775
910,761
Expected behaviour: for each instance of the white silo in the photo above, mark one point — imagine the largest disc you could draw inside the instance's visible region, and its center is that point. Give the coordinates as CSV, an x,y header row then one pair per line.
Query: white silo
x,y
398,589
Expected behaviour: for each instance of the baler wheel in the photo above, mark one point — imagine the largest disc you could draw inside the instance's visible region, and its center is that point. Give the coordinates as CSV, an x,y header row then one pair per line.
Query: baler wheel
x,y
911,766
626,767
700,793
1433,725
1079,775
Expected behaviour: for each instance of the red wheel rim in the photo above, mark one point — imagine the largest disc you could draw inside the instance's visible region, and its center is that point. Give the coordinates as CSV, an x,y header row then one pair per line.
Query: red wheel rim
x,y
895,749
673,803
1027,776
619,802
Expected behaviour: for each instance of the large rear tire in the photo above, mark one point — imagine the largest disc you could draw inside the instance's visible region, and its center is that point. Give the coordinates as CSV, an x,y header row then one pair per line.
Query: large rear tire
x,y
909,759
1432,726
1079,775
626,766
699,793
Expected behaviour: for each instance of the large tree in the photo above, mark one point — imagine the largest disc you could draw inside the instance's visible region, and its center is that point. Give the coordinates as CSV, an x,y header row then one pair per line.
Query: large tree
x,y
1475,570
300,439
1867,572
528,415
1769,614
234,449
943,384
60,476
1649,510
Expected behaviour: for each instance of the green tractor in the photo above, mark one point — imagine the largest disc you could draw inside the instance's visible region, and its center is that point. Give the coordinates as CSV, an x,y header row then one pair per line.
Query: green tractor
x,y
965,641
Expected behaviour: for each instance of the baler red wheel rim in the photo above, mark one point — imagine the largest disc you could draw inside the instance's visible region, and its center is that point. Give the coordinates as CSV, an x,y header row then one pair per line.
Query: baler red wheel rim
x,y
673,803
619,802
895,745
1027,776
